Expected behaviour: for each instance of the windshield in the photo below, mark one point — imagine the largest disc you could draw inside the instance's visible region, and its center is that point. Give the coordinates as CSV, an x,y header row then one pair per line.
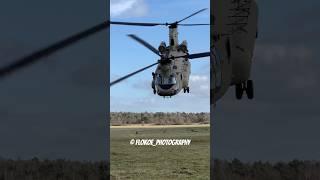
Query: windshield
x,y
159,79
171,80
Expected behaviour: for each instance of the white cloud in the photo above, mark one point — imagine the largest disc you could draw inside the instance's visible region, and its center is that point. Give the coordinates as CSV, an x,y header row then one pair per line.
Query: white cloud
x,y
128,8
198,78
200,85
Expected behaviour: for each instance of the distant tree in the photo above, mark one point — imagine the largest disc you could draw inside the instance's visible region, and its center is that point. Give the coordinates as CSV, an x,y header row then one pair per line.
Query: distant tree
x,y
123,118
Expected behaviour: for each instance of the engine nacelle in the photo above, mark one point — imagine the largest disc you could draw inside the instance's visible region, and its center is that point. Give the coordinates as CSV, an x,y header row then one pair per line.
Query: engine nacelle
x,y
162,48
183,46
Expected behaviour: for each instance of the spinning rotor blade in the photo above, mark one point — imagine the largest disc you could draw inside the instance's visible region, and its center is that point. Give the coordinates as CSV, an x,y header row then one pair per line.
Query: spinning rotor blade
x,y
198,55
192,15
131,74
36,56
144,43
193,56
157,24
194,24
135,23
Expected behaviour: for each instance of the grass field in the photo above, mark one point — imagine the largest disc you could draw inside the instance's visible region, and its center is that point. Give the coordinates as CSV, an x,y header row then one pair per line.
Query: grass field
x,y
160,162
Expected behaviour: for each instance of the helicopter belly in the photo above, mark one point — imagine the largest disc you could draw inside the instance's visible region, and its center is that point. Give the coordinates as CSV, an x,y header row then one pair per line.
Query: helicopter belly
x,y
241,65
233,37
243,47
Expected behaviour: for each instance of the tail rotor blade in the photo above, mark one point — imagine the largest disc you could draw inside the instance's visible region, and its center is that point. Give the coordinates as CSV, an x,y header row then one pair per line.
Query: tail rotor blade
x,y
131,74
144,43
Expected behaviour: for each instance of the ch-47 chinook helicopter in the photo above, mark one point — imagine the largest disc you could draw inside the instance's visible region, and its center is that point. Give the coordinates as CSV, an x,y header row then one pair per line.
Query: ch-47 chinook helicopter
x,y
173,68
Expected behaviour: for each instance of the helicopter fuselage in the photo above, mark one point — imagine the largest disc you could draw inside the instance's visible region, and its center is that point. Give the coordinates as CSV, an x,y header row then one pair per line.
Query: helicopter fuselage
x,y
172,74
233,34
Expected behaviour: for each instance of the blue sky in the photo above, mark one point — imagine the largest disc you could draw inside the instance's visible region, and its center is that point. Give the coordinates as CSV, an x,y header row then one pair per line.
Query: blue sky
x,y
135,94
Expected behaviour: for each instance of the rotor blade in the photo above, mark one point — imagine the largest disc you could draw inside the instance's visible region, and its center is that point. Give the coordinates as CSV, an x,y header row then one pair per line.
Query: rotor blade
x,y
131,74
194,24
198,55
135,23
36,56
144,43
192,15
193,56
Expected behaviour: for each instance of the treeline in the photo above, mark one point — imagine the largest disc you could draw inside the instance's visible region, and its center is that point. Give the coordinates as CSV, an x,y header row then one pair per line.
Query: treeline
x,y
293,170
52,170
158,118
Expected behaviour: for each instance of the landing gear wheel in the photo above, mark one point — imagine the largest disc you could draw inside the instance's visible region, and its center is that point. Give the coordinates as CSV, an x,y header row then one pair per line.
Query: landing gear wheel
x,y
239,91
186,90
249,89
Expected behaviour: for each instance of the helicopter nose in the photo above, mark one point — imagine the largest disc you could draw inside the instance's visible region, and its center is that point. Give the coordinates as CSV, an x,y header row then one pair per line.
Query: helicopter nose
x,y
167,91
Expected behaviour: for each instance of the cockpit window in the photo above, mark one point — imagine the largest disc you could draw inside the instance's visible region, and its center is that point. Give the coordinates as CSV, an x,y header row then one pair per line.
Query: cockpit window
x,y
171,80
159,79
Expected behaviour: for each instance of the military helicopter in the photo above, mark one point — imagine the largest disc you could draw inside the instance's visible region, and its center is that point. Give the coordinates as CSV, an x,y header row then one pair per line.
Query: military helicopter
x,y
233,34
173,67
